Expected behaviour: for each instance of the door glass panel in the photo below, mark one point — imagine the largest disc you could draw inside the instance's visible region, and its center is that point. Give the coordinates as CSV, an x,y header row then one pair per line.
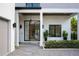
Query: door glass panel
x,y
32,30
26,30
37,30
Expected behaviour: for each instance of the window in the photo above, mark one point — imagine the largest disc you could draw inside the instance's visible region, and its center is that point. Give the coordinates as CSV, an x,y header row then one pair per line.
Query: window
x,y
29,4
32,4
55,30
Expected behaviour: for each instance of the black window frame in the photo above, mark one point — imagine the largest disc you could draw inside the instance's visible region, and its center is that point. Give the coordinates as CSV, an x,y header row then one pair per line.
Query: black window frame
x,y
54,31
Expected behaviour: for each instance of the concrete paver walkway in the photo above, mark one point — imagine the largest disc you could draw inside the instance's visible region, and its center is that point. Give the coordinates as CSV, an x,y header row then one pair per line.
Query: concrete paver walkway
x,y
35,50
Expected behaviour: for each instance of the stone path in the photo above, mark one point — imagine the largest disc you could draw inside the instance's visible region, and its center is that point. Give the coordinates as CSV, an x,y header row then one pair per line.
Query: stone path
x,y
35,50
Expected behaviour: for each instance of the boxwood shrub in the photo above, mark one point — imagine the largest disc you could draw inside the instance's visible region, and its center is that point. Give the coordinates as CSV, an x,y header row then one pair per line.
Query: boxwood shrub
x,y
62,44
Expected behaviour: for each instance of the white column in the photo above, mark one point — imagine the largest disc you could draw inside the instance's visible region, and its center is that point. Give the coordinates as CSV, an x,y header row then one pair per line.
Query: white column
x,y
41,30
69,30
78,27
17,29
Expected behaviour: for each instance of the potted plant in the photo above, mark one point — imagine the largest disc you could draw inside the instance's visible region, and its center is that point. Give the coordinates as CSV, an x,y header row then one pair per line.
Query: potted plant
x,y
65,34
46,35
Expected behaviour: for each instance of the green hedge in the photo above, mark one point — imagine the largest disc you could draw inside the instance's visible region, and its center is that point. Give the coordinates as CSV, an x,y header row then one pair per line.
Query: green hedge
x,y
62,44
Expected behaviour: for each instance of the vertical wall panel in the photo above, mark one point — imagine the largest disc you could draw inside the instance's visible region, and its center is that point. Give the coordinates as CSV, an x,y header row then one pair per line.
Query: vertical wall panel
x,y
4,40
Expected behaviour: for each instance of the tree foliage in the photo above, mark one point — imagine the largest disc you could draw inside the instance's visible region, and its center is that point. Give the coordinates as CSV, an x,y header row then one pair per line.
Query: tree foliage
x,y
74,28
74,24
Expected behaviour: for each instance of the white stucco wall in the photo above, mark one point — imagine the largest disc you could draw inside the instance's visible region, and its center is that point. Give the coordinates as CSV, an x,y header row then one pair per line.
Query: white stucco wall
x,y
63,20
53,5
78,27
26,17
7,10
21,32
60,5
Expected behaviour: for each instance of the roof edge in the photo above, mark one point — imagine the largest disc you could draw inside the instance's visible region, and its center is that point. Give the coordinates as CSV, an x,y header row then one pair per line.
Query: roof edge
x,y
27,7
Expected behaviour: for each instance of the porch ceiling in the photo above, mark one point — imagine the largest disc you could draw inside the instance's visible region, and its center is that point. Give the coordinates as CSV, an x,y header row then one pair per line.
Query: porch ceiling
x,y
30,13
57,13
46,13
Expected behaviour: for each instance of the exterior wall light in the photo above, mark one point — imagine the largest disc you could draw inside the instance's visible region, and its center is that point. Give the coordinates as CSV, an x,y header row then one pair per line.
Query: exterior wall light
x,y
14,25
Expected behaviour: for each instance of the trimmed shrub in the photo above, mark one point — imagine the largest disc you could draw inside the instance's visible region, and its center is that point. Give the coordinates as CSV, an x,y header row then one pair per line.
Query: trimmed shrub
x,y
62,44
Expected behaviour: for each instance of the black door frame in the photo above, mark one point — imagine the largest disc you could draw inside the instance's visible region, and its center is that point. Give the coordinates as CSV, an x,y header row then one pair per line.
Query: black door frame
x,y
29,25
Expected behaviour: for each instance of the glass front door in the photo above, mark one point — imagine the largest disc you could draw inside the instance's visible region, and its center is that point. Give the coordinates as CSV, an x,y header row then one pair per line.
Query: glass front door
x,y
32,30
